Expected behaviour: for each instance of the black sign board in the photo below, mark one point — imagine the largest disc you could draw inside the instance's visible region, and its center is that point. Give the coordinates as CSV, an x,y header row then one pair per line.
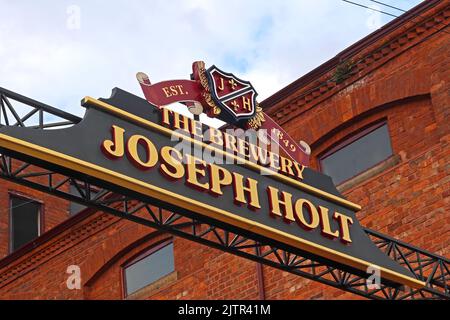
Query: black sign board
x,y
131,146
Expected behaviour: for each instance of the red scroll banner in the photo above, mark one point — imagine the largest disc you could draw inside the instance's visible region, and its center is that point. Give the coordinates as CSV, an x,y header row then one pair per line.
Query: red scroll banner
x,y
167,92
298,152
194,93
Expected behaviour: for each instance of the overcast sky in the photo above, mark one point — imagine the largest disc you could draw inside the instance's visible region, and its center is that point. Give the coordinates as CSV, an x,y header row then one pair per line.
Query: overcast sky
x,y
60,51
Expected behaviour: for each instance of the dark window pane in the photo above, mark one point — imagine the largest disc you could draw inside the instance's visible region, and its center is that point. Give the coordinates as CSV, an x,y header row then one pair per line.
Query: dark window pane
x,y
74,206
25,222
149,269
358,156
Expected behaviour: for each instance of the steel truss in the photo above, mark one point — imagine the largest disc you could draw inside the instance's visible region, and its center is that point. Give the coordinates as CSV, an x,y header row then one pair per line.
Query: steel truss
x,y
38,116
433,269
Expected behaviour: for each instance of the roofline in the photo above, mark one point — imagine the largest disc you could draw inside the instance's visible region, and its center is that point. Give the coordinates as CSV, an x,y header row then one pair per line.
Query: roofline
x,y
347,53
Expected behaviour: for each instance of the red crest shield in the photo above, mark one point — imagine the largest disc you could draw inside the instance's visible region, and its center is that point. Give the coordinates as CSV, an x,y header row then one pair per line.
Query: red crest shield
x,y
235,96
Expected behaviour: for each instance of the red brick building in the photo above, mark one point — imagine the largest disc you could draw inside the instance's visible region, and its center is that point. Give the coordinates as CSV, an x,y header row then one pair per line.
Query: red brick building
x,y
389,91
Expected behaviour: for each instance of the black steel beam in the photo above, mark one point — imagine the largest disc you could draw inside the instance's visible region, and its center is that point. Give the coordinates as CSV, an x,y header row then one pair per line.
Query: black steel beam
x,y
6,94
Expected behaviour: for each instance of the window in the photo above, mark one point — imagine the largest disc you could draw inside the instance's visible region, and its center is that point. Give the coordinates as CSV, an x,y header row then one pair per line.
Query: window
x,y
149,267
357,154
25,221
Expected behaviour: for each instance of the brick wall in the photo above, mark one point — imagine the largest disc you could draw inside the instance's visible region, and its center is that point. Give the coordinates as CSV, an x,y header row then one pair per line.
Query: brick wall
x,y
54,210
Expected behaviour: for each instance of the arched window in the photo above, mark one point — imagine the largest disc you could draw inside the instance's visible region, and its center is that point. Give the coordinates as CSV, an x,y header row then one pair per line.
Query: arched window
x,y
357,154
149,266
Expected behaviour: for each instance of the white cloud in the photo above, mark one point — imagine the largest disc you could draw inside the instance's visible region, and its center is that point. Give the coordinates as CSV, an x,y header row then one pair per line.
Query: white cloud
x,y
269,43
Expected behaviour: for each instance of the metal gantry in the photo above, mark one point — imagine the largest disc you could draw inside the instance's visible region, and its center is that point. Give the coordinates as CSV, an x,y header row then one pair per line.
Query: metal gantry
x,y
433,269
36,114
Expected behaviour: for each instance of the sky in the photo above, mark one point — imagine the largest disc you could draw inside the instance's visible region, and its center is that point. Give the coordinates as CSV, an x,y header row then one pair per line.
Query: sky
x,y
58,52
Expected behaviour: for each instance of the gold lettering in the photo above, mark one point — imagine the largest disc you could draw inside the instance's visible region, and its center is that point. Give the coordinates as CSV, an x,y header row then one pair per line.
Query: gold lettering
x,y
286,166
300,204
235,105
196,128
242,147
193,171
274,161
173,90
150,150
230,142
325,223
165,119
259,154
214,136
167,92
167,155
221,86
181,122
246,104
275,204
232,83
180,89
114,148
251,189
344,222
299,168
219,177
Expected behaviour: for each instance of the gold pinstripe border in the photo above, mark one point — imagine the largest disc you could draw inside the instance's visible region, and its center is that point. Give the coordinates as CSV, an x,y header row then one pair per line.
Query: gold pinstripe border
x,y
251,165
136,185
